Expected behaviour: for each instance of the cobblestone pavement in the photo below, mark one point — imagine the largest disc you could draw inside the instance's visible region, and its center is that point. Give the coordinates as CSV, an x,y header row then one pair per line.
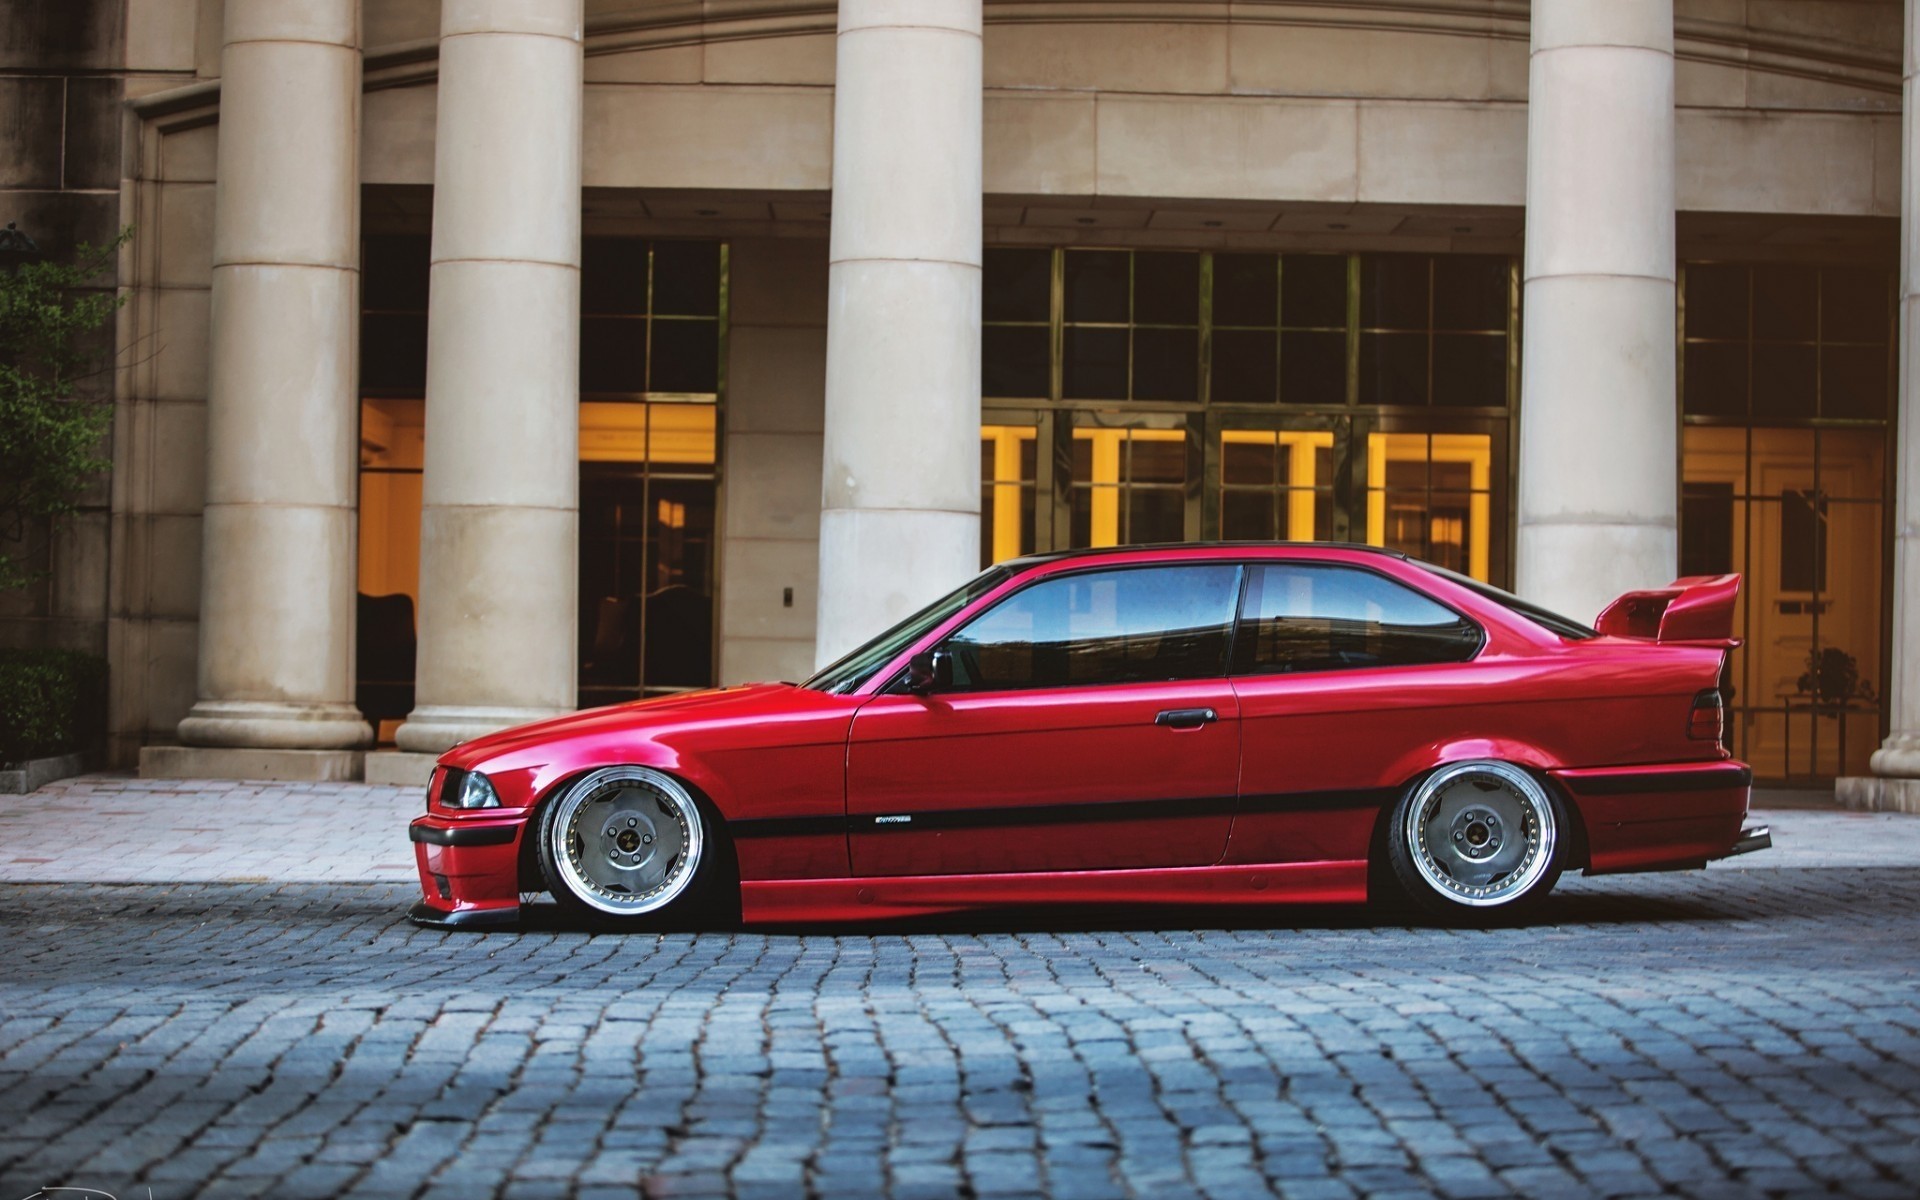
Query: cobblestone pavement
x,y
1723,1033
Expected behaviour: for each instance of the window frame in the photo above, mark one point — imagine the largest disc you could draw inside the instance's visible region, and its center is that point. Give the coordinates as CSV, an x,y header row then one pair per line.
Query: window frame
x,y
896,683
1241,618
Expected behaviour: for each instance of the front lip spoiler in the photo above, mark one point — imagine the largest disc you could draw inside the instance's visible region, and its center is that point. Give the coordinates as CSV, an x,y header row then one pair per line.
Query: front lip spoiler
x,y
426,914
1754,837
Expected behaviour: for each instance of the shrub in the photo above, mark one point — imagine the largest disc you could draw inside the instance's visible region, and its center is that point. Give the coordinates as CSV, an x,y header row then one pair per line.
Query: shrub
x,y
51,702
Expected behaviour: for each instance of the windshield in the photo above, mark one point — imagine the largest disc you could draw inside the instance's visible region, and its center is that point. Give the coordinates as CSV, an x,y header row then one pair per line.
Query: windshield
x,y
1553,622
856,668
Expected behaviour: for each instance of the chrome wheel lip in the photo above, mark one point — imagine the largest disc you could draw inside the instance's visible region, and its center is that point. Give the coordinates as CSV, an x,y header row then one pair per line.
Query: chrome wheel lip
x,y
566,823
1539,829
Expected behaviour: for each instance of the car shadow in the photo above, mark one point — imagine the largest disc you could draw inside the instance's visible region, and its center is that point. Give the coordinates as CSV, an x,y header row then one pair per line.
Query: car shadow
x,y
1586,908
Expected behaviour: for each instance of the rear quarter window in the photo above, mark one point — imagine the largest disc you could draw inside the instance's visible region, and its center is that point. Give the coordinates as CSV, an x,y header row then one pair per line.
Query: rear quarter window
x,y
1321,617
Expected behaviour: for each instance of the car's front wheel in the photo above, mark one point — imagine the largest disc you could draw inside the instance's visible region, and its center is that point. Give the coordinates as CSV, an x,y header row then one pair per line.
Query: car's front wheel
x,y
1477,840
633,846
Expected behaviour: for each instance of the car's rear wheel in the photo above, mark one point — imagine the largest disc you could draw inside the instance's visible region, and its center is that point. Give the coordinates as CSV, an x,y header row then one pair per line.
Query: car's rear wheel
x,y
1478,839
634,847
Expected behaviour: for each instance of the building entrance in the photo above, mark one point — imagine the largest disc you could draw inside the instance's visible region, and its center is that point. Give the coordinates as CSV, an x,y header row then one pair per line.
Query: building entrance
x,y
1141,396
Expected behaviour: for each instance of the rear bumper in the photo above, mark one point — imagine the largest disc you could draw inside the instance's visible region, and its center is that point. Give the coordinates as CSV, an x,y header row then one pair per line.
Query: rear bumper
x,y
469,871
1663,816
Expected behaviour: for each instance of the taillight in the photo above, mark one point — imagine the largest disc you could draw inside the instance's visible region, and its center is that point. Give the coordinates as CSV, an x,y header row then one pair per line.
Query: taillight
x,y
1708,720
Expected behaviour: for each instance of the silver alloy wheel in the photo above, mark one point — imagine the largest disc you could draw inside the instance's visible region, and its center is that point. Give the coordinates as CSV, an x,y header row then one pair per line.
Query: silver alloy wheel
x,y
1481,834
627,840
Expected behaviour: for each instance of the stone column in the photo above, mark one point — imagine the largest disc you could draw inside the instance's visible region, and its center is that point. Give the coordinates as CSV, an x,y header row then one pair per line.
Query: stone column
x,y
1895,783
277,576
499,536
900,492
1598,499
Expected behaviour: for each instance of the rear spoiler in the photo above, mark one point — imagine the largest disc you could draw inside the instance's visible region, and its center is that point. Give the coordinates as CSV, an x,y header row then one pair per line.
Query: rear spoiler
x,y
1697,608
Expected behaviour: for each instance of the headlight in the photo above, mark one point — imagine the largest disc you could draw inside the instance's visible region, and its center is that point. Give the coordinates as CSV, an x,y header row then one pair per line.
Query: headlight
x,y
476,791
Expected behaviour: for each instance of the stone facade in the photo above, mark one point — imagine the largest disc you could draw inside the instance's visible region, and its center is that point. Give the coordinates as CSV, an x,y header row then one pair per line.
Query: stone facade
x,y
1356,129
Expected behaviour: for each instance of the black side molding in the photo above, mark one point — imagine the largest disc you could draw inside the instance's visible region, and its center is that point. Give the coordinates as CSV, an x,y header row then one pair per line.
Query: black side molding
x,y
1663,781
477,835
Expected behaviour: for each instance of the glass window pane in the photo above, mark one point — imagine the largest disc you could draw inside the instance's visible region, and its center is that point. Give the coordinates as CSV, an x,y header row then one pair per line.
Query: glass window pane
x,y
613,354
1803,541
1103,627
1706,528
393,352
1166,364
686,356
1096,285
686,278
1166,288
1856,305
1785,302
1096,364
1016,284
1155,515
613,275
1715,383
1393,368
1393,291
1716,301
1313,368
1156,459
1313,291
1470,292
394,271
1244,370
1783,380
1013,361
1853,382
1246,289
1248,461
1470,370
1248,516
1319,618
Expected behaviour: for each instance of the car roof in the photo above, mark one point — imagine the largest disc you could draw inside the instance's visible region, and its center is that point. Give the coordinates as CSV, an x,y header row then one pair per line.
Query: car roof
x,y
1053,556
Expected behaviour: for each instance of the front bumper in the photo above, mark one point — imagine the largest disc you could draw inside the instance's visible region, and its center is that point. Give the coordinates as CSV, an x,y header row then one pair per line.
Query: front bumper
x,y
469,870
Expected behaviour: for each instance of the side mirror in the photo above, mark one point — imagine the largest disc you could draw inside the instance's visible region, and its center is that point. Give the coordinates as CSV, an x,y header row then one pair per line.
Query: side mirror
x,y
930,671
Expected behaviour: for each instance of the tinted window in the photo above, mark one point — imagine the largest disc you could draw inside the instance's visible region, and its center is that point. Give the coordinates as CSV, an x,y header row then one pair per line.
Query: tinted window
x,y
1324,618
1121,626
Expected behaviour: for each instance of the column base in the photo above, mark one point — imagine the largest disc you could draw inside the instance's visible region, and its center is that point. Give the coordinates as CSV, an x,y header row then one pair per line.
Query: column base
x,y
249,724
400,768
227,762
1878,793
435,729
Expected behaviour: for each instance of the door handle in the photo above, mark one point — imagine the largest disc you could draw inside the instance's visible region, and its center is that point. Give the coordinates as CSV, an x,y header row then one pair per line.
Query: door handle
x,y
1186,718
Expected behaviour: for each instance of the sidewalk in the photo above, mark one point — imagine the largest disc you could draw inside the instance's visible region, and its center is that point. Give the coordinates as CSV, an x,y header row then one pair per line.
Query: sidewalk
x,y
118,829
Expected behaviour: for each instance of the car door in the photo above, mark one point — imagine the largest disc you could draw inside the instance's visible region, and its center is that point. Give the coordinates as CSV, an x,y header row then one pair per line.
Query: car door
x,y
1343,673
1089,726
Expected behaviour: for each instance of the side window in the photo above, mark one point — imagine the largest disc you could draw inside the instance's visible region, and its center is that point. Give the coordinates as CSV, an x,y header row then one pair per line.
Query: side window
x,y
1326,618
1122,626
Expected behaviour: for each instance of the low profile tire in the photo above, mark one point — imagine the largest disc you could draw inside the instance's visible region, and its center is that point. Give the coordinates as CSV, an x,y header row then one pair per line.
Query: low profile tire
x,y
1477,841
634,848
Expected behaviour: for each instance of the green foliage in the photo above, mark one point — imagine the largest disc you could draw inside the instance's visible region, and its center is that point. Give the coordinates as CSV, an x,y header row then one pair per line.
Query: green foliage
x,y
50,442
51,702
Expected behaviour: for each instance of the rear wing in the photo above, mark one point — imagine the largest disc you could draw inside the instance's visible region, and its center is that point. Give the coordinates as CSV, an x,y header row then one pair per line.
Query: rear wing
x,y
1697,608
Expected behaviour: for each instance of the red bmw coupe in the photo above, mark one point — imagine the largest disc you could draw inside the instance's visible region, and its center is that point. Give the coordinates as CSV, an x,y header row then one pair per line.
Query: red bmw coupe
x,y
1197,724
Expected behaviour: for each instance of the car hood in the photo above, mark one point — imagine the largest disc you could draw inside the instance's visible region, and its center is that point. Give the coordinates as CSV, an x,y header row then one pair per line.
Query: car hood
x,y
754,703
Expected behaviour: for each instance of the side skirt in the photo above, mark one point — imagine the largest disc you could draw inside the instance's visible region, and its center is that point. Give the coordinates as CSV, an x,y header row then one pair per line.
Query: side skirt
x,y
876,897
